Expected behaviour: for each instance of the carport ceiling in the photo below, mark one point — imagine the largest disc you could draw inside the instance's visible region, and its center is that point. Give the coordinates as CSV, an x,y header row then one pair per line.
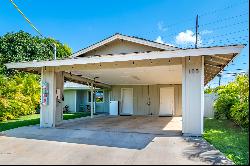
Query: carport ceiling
x,y
171,74
215,64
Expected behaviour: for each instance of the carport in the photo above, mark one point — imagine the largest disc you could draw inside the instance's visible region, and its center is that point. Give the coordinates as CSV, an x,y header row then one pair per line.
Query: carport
x,y
186,70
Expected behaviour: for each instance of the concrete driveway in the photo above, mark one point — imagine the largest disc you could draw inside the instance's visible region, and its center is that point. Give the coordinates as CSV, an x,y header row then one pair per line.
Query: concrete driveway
x,y
107,140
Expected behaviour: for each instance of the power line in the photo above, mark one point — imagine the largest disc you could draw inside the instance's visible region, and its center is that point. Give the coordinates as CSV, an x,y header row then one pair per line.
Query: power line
x,y
224,19
33,26
227,40
222,9
202,15
226,34
26,18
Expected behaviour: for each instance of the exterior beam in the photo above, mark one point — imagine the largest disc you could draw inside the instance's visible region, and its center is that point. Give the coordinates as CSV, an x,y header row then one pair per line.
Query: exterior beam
x,y
208,64
83,80
215,60
223,58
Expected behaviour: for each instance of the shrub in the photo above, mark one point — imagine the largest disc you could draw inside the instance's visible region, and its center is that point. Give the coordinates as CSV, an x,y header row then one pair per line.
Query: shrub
x,y
222,106
19,95
232,102
240,114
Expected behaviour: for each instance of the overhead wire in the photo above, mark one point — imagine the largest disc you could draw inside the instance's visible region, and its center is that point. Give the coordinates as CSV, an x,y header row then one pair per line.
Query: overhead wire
x,y
223,9
26,18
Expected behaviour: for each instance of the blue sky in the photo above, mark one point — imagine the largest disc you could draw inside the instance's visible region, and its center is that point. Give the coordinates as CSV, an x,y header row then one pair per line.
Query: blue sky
x,y
80,23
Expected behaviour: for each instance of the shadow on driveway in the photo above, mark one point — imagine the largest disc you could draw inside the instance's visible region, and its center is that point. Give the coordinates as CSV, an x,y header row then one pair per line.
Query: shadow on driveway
x,y
121,132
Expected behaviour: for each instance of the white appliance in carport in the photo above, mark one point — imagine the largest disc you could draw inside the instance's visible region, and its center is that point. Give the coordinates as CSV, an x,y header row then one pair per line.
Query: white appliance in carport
x,y
113,108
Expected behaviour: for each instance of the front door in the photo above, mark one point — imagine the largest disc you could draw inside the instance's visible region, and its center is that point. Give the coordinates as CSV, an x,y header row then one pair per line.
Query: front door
x,y
166,101
127,101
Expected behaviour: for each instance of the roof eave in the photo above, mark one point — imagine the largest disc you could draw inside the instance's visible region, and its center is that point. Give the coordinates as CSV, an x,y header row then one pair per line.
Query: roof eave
x,y
133,56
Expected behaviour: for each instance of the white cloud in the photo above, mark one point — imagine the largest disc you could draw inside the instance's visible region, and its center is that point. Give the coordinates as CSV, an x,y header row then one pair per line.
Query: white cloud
x,y
161,27
160,40
186,38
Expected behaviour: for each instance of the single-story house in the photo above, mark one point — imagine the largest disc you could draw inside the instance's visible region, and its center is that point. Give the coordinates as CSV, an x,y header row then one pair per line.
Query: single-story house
x,y
147,78
78,98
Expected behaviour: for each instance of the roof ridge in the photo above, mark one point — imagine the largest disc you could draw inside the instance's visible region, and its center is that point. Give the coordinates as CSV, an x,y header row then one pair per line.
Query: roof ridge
x,y
117,34
95,43
148,40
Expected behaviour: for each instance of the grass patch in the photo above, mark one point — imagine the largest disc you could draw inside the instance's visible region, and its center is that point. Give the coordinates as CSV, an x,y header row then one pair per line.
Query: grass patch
x,y
35,119
19,122
229,138
75,115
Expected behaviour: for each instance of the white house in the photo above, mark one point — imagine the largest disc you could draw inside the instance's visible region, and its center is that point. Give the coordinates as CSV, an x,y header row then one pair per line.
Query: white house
x,y
77,98
147,78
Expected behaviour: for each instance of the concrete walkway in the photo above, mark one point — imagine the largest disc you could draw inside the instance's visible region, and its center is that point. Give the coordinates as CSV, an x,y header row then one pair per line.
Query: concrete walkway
x,y
73,143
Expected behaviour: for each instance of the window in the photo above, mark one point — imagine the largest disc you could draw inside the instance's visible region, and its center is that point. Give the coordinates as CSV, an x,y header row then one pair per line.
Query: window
x,y
98,96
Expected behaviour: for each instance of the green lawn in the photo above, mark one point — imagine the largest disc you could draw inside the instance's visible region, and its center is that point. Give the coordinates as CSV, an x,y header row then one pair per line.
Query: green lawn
x,y
34,119
229,138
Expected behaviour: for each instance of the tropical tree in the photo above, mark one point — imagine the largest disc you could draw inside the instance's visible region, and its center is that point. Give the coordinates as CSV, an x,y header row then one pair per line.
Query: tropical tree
x,y
20,92
22,46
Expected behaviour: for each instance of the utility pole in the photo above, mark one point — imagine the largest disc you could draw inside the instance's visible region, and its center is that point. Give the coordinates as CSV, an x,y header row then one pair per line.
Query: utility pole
x,y
196,32
219,75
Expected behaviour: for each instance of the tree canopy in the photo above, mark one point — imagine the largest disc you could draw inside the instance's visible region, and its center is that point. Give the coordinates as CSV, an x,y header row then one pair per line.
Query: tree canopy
x,y
22,46
20,92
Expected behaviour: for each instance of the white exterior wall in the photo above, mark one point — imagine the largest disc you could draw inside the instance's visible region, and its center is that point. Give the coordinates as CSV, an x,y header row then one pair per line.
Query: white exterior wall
x,y
209,100
51,114
140,98
70,99
193,96
118,46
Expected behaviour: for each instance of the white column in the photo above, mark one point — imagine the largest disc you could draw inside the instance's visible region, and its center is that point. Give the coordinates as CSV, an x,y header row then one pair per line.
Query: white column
x,y
51,113
48,111
94,104
91,88
192,95
59,101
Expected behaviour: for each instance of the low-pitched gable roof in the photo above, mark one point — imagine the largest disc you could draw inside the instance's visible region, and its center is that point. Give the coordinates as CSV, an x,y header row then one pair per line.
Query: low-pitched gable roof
x,y
132,39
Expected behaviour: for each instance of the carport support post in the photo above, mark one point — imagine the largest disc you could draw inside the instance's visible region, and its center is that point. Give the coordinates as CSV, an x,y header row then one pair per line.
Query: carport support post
x,y
51,112
94,100
91,88
192,95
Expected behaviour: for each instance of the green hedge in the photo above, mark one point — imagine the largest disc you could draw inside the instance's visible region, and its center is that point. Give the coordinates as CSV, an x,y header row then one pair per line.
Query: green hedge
x,y
232,102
